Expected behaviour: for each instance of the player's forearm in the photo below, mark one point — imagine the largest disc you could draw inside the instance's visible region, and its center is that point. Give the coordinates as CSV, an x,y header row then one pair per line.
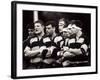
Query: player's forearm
x,y
31,53
75,51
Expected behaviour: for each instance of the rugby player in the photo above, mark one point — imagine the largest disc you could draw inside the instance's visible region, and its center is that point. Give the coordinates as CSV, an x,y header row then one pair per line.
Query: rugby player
x,y
33,49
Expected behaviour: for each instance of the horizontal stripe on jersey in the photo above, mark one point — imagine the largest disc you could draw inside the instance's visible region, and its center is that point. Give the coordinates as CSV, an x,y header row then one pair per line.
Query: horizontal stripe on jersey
x,y
58,40
35,42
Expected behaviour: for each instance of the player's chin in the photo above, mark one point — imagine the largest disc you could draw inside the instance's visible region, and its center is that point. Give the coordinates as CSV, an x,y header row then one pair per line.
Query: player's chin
x,y
36,32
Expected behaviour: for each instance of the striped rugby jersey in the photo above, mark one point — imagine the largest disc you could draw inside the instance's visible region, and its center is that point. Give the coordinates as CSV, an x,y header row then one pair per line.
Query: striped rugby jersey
x,y
59,41
76,44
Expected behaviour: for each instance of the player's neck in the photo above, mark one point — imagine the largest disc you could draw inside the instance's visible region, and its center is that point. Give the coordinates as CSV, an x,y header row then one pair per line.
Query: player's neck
x,y
41,35
79,33
53,35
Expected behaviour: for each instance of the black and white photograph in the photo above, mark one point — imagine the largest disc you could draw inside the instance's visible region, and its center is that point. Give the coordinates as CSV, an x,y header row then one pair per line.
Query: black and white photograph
x,y
53,39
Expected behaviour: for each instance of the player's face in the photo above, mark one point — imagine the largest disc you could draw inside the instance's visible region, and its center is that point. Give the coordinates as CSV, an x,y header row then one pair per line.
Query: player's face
x,y
38,28
61,25
66,33
49,30
30,32
73,28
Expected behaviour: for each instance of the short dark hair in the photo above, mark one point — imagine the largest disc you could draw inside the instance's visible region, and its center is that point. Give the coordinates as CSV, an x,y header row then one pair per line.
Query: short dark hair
x,y
76,22
53,23
62,19
39,21
65,20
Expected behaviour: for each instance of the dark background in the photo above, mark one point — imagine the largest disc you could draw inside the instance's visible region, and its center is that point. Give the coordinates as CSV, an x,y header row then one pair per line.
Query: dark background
x,y
46,16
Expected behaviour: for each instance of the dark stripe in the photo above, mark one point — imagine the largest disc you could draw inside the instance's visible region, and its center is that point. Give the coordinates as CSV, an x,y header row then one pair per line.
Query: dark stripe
x,y
83,51
34,44
75,45
58,43
48,44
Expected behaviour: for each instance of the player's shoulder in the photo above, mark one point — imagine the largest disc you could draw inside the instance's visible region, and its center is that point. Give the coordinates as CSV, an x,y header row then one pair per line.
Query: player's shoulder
x,y
58,38
33,39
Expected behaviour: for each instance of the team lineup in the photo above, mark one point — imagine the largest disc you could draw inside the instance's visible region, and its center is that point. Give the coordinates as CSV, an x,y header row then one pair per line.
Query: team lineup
x,y
49,46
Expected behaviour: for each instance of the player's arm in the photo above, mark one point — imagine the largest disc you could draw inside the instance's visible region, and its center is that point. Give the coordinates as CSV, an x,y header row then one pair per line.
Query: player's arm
x,y
30,53
75,51
81,50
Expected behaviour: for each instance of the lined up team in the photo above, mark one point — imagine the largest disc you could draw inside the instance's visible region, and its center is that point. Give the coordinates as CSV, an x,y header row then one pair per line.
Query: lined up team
x,y
48,47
